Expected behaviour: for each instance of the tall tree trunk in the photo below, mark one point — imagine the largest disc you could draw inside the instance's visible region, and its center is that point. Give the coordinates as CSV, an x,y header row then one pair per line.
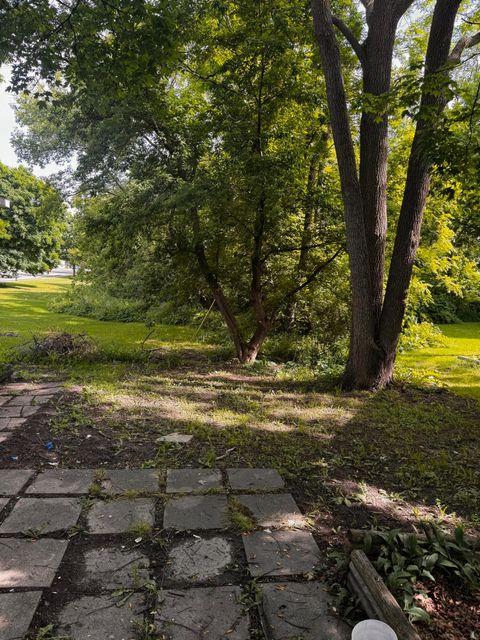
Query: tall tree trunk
x,y
363,356
376,61
307,233
417,183
375,327
306,241
216,289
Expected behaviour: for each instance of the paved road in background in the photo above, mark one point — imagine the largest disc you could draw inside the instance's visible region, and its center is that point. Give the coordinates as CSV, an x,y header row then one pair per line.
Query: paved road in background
x,y
55,273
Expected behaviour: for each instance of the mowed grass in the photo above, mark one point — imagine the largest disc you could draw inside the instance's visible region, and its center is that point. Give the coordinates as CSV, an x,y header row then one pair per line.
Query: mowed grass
x,y
24,309
443,363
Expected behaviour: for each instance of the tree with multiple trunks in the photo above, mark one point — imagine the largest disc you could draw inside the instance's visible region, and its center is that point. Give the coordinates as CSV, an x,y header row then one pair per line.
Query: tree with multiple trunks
x,y
214,140
378,310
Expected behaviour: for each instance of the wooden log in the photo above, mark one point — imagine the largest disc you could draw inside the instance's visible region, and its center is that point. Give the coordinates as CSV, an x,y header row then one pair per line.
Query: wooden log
x,y
368,586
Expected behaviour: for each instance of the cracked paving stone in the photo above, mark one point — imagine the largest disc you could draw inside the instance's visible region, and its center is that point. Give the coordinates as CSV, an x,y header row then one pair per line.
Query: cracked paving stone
x,y
254,479
112,568
292,609
101,618
4,399
124,480
120,516
199,559
63,481
14,387
10,412
13,480
215,613
29,563
9,424
276,510
45,515
21,401
16,613
196,512
280,553
190,480
47,388
18,412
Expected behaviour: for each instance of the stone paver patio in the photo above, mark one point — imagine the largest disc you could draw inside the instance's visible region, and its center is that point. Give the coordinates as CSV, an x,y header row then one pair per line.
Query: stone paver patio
x,y
119,552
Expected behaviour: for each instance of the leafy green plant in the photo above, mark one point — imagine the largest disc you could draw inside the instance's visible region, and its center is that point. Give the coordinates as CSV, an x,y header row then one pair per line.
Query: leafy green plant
x,y
405,559
48,633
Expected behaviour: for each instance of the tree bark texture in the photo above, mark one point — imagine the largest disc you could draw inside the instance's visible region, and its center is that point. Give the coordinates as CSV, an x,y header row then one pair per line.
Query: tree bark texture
x,y
377,320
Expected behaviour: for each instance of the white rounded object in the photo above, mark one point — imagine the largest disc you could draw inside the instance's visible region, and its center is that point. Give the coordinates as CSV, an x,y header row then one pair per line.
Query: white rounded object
x,y
373,630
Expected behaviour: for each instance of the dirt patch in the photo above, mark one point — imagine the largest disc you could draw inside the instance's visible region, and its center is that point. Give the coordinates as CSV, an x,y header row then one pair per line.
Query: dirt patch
x,y
455,612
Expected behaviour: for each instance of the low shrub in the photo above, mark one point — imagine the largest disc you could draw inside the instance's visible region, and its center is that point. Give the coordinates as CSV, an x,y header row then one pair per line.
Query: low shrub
x,y
421,335
308,351
83,300
406,559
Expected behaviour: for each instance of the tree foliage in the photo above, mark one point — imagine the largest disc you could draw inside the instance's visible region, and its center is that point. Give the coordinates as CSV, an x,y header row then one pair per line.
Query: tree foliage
x,y
31,229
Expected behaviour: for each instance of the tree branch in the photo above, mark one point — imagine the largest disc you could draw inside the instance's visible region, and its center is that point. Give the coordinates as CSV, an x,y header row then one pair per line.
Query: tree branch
x,y
368,4
314,274
349,36
466,42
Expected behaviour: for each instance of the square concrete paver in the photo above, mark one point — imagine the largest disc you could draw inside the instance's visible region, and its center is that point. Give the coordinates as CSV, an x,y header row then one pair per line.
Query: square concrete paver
x,y
110,568
199,559
292,609
63,481
278,510
16,613
29,563
47,388
215,613
281,553
124,480
10,412
196,512
120,516
193,480
21,401
30,411
43,515
13,480
176,438
100,618
254,479
9,424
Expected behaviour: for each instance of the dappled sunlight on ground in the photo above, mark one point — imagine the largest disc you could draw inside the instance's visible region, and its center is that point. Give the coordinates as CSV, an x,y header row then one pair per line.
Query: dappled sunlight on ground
x,y
358,459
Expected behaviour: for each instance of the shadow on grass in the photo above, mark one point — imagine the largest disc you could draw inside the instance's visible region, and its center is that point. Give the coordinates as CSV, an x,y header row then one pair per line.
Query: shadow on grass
x,y
350,460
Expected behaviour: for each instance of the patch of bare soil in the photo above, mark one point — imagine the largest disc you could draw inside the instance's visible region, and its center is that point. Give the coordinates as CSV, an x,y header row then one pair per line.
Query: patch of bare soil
x,y
455,612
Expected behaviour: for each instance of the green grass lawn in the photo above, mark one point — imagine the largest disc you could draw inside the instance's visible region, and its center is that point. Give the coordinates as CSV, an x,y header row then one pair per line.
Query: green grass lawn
x,y
443,363
24,310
